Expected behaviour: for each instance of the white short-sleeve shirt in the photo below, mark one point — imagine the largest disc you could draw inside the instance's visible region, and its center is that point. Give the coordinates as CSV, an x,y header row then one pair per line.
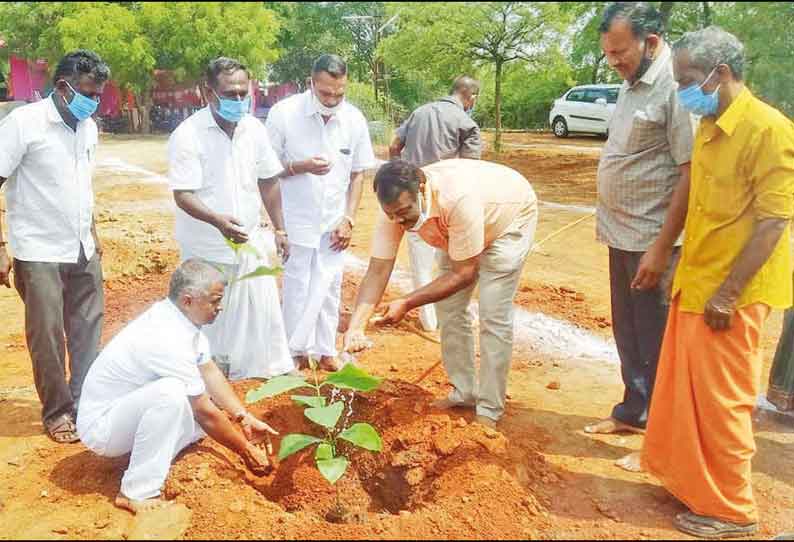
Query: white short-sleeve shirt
x,y
315,204
49,191
223,172
160,343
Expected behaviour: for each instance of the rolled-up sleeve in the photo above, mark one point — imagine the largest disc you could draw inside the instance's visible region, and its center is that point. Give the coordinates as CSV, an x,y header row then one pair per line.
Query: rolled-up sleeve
x,y
386,239
184,165
12,144
466,228
772,173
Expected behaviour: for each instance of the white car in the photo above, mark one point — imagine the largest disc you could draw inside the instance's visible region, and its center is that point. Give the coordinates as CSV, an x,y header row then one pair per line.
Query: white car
x,y
586,108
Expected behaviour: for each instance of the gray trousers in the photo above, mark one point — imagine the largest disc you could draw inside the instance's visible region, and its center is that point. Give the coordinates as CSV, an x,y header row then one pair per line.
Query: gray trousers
x,y
61,299
500,271
638,322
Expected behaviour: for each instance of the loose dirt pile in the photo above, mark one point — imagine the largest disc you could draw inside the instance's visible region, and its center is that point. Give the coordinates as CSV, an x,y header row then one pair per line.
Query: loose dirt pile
x,y
437,476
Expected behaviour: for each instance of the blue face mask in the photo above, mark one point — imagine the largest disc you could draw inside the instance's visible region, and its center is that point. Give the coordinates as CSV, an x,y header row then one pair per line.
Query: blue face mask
x,y
694,100
81,106
232,110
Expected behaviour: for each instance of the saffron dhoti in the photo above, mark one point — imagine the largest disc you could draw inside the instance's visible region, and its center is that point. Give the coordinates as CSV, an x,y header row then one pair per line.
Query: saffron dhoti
x,y
699,440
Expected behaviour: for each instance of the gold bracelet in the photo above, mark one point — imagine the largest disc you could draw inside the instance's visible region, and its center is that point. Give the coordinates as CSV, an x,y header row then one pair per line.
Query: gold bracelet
x,y
281,232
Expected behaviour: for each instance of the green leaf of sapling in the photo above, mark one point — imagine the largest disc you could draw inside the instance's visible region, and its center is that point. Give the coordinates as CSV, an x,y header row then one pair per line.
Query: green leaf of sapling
x,y
325,416
295,442
364,436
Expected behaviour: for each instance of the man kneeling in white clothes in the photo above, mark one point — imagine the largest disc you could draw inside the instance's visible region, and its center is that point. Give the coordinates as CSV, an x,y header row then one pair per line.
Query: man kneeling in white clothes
x,y
154,389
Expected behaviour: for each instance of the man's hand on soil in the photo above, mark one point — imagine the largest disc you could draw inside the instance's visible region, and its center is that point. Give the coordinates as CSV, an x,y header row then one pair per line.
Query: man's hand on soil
x,y
257,431
257,460
5,268
395,312
355,341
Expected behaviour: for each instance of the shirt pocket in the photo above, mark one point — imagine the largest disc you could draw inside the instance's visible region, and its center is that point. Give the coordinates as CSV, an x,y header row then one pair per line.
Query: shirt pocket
x,y
647,130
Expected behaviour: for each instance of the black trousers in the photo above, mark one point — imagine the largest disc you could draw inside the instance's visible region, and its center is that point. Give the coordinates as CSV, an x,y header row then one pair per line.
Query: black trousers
x,y
61,299
638,322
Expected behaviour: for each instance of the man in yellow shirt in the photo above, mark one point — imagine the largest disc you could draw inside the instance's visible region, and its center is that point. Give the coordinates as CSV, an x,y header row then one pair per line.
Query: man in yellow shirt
x,y
735,267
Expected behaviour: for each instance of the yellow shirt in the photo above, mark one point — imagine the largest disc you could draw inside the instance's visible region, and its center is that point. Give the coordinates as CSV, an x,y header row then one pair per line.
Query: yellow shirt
x,y
742,172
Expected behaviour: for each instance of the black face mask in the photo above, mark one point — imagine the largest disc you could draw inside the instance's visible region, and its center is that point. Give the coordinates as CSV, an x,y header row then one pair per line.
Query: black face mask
x,y
645,63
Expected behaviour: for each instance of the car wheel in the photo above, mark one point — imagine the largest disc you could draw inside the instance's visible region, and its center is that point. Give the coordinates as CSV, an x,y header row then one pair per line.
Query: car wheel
x,y
560,127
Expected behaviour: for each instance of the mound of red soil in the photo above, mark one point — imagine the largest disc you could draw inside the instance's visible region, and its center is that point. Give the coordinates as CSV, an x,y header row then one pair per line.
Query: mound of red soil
x,y
437,476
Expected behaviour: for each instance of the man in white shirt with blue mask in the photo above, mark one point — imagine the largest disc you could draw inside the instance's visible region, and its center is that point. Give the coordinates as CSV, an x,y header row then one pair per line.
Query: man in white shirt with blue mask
x,y
323,142
221,169
47,155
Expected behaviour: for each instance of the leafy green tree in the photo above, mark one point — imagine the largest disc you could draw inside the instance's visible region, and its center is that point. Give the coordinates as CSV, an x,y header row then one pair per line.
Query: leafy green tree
x,y
134,38
765,30
452,38
528,92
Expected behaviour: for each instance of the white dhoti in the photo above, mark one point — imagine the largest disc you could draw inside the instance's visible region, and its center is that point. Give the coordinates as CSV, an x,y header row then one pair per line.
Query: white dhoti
x,y
422,258
155,423
312,293
249,333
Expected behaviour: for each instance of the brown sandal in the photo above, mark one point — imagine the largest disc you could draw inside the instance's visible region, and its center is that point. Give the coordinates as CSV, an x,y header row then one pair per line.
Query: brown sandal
x,y
63,430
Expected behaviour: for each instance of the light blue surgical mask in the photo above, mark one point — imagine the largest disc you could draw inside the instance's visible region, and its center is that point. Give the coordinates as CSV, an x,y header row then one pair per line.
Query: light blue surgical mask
x,y
81,106
232,110
694,100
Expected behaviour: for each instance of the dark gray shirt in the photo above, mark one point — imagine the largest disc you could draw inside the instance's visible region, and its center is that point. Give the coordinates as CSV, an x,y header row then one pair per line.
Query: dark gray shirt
x,y
437,131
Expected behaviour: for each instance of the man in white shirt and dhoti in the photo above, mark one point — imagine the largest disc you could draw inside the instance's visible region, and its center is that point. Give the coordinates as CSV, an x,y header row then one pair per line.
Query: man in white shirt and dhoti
x,y
154,389
221,168
323,142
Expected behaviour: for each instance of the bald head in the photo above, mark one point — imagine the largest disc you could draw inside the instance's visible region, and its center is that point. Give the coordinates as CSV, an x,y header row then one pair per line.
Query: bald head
x,y
466,88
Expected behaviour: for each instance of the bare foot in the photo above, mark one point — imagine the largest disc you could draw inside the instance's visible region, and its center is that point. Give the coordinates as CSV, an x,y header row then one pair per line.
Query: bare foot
x,y
330,364
611,425
141,506
301,362
631,462
257,460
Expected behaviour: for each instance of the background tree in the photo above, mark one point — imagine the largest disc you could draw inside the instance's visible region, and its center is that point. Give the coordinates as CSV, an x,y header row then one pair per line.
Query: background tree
x,y
134,38
462,37
308,29
186,35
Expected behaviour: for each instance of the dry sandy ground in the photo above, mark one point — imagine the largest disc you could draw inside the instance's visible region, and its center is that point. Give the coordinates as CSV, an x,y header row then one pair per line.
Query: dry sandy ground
x,y
557,482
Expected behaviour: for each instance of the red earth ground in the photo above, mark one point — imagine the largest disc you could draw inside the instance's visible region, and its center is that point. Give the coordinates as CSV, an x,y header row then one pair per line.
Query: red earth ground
x,y
439,476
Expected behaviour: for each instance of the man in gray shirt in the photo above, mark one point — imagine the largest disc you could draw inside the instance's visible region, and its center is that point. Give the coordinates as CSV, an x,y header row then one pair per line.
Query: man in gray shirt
x,y
437,131
643,187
